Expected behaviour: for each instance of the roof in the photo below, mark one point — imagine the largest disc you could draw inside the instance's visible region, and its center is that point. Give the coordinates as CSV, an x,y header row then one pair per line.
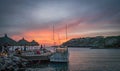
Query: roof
x,y
7,41
10,42
34,43
23,42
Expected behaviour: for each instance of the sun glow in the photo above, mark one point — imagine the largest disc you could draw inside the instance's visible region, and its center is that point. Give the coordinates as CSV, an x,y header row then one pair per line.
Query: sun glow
x,y
44,37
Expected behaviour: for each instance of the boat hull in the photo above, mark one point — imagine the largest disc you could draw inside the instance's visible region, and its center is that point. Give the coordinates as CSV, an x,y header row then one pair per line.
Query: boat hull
x,y
45,56
60,56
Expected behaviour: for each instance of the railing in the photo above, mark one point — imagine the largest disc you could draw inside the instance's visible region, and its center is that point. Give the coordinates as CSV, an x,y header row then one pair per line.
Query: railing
x,y
27,48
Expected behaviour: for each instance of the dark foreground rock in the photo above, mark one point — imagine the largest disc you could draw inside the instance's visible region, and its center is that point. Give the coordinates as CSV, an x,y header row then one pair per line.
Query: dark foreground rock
x,y
11,63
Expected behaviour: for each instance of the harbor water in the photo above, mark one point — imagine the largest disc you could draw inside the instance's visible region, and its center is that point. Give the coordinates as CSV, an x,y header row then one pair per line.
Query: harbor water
x,y
84,59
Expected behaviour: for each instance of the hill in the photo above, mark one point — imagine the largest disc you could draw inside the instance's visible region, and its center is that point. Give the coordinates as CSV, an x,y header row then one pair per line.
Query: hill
x,y
94,42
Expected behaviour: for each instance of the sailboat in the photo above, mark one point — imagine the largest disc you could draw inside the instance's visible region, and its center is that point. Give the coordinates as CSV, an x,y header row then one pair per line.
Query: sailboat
x,y
61,54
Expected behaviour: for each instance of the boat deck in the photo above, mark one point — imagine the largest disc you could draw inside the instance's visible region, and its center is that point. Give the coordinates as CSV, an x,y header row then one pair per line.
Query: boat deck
x,y
44,56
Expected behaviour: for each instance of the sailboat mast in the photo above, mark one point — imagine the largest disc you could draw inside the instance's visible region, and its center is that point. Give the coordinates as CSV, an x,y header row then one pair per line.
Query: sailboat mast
x,y
53,36
66,33
59,39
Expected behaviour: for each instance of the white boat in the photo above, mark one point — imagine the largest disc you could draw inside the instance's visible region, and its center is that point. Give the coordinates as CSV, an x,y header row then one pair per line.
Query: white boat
x,y
34,55
60,55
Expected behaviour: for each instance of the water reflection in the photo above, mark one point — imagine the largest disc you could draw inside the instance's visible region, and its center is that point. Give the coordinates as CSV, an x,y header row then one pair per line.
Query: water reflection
x,y
48,67
59,66
84,59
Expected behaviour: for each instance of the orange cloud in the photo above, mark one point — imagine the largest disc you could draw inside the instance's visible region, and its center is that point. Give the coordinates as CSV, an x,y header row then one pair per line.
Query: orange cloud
x,y
45,36
76,28
42,37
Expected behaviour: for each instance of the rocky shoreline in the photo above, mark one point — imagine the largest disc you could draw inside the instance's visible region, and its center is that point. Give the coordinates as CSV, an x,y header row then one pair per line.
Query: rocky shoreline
x,y
12,63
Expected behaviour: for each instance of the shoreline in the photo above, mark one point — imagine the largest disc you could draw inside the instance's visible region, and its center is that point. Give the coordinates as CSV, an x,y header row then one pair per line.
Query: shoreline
x,y
93,47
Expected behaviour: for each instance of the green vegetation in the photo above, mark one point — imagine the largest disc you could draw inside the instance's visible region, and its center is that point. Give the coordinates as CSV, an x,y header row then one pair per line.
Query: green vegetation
x,y
95,42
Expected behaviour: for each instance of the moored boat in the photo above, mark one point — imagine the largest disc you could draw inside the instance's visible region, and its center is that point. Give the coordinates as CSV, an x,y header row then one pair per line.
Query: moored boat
x,y
36,55
60,55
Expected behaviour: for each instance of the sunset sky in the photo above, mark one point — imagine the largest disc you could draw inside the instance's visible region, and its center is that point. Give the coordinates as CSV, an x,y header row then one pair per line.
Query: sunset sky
x,y
34,19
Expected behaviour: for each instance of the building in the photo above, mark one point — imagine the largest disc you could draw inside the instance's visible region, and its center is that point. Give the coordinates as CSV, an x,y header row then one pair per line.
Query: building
x,y
34,43
7,41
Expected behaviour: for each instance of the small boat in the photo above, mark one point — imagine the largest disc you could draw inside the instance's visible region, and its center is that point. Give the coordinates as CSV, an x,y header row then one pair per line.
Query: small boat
x,y
34,55
60,55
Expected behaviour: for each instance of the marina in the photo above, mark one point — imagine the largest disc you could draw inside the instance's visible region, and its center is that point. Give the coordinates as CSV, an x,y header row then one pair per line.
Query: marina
x,y
82,59
59,35
34,54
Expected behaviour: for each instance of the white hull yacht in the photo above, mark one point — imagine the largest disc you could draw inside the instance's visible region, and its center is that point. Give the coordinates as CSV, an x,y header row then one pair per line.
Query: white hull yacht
x,y
60,55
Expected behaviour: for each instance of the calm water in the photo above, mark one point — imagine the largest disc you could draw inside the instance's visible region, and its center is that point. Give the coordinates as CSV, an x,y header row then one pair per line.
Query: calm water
x,y
84,59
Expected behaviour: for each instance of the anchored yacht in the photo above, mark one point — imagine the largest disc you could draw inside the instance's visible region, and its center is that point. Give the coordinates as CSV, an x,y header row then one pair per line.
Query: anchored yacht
x,y
60,55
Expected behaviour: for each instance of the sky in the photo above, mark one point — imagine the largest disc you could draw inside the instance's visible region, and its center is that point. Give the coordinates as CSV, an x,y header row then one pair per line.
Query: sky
x,y
34,19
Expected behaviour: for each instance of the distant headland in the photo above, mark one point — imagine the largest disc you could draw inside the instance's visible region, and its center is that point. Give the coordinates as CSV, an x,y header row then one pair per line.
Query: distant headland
x,y
95,42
